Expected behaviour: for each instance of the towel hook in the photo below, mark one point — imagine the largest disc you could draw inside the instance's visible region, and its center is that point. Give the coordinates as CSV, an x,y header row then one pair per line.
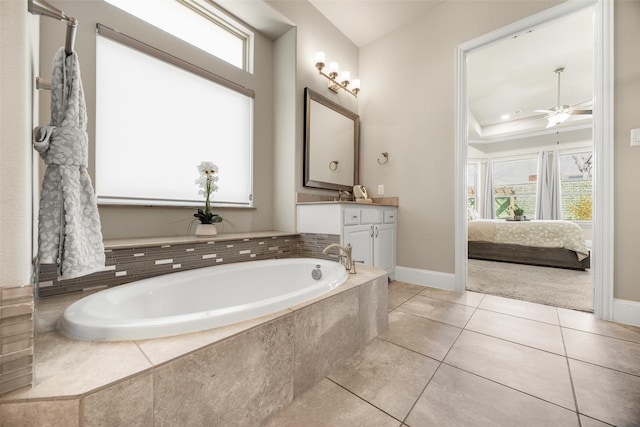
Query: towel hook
x,y
386,159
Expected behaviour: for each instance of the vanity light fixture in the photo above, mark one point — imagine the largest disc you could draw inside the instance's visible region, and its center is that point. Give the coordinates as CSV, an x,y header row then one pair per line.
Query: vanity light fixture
x,y
335,82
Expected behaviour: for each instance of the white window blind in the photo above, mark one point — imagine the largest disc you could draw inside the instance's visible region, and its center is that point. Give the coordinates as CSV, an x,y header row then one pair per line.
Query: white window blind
x,y
156,121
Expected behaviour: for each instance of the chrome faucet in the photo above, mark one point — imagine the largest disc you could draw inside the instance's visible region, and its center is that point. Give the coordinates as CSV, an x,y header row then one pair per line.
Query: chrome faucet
x,y
346,195
349,264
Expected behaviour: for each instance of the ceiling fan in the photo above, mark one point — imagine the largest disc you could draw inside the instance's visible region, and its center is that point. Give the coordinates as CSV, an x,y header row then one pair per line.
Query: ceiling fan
x,y
560,113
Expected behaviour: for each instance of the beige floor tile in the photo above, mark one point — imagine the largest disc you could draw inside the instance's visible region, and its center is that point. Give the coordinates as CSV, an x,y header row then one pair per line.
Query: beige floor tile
x,y
433,339
539,373
458,398
406,287
398,297
587,322
387,376
540,335
441,311
328,404
528,310
604,351
590,422
466,298
605,394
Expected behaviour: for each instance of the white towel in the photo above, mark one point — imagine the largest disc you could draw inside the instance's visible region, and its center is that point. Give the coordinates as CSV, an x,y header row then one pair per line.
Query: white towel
x,y
69,223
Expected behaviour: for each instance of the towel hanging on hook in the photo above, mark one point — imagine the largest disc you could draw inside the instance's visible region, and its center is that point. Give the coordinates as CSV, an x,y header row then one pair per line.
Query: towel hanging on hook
x,y
69,232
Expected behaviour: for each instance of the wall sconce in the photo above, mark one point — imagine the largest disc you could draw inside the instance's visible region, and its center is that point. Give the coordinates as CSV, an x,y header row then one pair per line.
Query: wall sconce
x,y
336,83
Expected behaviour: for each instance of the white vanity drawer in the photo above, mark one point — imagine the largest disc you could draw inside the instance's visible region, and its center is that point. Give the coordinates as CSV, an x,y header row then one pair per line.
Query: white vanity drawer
x,y
389,216
371,216
351,216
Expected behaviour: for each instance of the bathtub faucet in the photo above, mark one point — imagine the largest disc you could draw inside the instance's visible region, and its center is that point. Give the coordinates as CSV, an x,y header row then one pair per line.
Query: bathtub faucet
x,y
349,264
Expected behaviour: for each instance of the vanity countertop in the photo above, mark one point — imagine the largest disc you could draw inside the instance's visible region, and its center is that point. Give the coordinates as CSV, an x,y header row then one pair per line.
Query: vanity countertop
x,y
377,201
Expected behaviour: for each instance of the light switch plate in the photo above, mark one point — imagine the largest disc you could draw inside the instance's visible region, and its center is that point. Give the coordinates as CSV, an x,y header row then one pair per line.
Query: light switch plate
x,y
380,190
635,137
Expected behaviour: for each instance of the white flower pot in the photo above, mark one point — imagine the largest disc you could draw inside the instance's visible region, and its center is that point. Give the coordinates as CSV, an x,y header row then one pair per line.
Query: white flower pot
x,y
204,230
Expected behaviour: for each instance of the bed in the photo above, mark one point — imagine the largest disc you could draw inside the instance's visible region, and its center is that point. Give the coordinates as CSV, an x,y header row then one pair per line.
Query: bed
x,y
545,243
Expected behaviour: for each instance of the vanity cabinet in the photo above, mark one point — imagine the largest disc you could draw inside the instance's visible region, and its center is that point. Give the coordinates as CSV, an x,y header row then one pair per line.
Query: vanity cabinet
x,y
371,230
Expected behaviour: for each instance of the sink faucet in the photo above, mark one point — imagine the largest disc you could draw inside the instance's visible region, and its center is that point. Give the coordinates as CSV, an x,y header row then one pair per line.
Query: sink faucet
x,y
349,264
344,194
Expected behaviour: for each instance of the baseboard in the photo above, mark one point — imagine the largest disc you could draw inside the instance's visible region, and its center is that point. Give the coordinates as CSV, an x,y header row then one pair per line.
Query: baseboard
x,y
625,311
434,279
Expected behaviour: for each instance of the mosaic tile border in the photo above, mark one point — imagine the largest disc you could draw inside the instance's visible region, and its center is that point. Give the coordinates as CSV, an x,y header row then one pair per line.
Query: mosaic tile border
x,y
16,337
124,265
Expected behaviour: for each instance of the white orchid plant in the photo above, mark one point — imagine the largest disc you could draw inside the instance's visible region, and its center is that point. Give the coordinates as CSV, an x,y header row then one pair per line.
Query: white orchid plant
x,y
207,182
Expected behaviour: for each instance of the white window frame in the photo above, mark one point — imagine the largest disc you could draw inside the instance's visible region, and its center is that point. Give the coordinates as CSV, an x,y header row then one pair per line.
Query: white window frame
x,y
193,10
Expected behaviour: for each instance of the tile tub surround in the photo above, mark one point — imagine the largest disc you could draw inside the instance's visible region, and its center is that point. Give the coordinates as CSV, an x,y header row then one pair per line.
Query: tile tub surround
x,y
263,363
128,260
16,337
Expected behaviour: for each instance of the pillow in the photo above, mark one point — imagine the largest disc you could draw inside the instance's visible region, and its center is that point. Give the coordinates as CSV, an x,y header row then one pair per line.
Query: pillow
x,y
472,214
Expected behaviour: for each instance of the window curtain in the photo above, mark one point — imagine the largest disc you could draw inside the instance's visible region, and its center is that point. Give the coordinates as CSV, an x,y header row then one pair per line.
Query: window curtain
x,y
488,212
548,204
554,184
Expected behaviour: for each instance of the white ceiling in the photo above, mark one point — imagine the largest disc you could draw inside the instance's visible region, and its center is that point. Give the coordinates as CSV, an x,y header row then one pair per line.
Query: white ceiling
x,y
514,74
364,21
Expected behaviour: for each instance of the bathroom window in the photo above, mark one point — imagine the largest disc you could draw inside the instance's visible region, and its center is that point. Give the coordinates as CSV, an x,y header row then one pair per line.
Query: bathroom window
x,y
199,23
156,121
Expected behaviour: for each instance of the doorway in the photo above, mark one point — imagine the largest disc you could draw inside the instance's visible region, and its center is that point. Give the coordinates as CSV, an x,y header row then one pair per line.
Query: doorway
x,y
602,259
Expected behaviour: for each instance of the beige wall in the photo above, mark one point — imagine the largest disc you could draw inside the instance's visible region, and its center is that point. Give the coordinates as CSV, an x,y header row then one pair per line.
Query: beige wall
x,y
415,121
626,158
16,28
315,33
162,221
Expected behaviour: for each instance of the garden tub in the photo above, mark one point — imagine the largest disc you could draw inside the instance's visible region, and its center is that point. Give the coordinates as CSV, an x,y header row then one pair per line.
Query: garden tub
x,y
199,299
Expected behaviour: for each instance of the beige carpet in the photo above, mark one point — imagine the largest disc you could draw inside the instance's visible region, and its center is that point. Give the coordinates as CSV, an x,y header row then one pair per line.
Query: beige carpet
x,y
545,285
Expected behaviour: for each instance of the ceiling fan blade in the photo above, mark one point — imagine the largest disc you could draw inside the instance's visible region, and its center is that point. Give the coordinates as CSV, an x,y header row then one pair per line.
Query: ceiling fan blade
x,y
543,111
581,112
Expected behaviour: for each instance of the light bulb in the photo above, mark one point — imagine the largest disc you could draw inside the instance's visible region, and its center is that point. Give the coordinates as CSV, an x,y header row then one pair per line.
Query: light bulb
x,y
345,77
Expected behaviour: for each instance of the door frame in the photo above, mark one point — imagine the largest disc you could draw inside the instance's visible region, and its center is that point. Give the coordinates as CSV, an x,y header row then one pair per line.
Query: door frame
x,y
602,259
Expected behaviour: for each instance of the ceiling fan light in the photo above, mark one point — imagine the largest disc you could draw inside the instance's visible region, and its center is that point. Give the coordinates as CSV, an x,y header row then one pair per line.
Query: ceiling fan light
x,y
556,119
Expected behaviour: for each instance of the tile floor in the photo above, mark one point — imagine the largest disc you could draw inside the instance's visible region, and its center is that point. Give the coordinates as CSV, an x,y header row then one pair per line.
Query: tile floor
x,y
451,359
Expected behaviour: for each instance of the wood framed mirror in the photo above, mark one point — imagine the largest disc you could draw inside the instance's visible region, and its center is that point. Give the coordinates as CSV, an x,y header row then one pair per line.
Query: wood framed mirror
x,y
331,144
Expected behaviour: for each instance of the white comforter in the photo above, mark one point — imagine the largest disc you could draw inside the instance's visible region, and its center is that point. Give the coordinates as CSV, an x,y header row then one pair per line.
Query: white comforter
x,y
542,234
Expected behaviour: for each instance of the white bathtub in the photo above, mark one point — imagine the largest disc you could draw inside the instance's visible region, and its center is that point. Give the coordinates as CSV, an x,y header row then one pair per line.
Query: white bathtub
x,y
199,299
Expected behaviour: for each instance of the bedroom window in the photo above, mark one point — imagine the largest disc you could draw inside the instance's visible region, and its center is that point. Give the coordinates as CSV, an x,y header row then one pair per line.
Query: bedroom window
x,y
473,173
576,182
514,184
